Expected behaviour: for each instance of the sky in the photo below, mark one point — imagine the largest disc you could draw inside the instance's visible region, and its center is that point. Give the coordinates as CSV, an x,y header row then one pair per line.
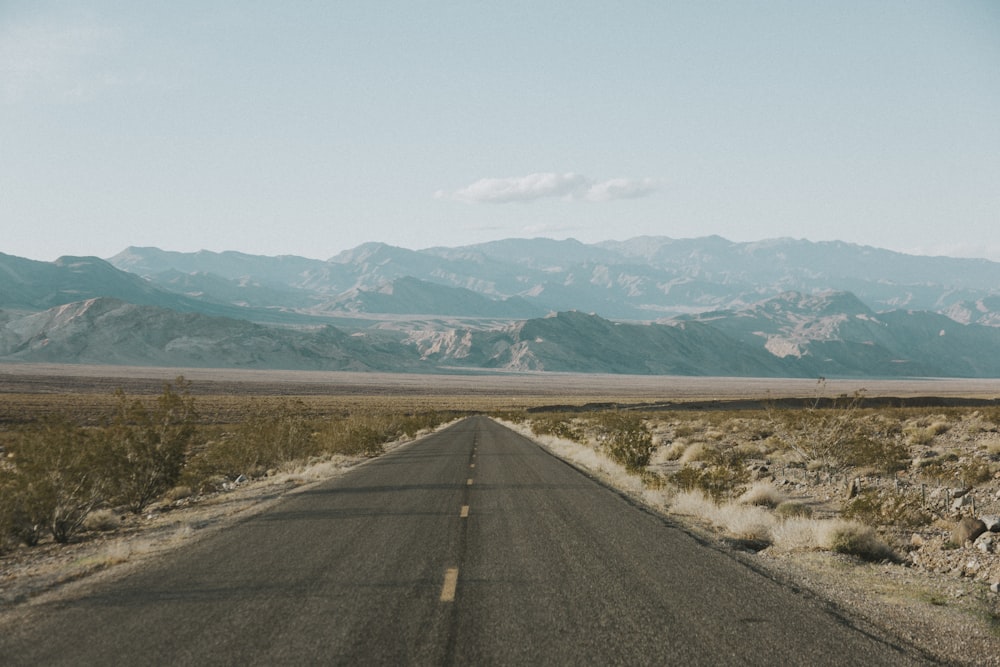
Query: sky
x,y
308,128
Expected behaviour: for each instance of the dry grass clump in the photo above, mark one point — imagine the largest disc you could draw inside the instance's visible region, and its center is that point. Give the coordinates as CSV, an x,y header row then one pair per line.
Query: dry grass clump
x,y
671,452
117,552
798,533
992,447
101,520
757,524
697,450
916,435
939,427
793,509
686,430
693,503
854,539
178,493
663,453
742,522
750,525
763,494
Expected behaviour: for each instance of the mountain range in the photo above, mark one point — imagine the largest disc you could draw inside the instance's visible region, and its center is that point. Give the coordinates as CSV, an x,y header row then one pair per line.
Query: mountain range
x,y
648,305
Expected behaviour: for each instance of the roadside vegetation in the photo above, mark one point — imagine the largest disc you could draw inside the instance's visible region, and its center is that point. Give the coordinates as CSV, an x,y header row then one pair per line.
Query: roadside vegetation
x,y
66,474
887,484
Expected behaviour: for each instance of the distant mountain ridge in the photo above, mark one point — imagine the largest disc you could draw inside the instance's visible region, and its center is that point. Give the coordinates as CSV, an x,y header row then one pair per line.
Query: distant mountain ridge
x,y
640,279
650,305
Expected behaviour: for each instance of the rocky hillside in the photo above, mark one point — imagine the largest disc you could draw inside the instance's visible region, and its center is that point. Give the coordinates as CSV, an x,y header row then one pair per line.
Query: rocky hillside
x,y
576,342
110,331
410,296
834,334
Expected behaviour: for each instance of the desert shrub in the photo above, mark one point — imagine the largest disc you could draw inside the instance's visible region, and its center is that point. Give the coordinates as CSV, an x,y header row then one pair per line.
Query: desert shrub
x,y
367,434
939,427
673,451
871,449
887,507
692,502
101,520
559,427
266,441
916,435
147,447
719,477
626,439
762,494
973,473
698,451
512,416
855,539
748,526
684,431
797,531
793,509
366,437
936,468
178,493
7,507
283,436
993,448
651,480
754,430
842,436
56,481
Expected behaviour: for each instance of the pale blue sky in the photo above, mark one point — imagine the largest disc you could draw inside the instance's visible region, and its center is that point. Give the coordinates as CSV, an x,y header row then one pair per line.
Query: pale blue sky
x,y
310,127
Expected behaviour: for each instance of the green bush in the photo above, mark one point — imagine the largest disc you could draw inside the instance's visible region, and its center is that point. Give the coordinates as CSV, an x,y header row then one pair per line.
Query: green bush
x,y
626,439
7,507
881,452
147,447
358,436
268,440
57,479
887,507
284,436
557,426
720,476
843,436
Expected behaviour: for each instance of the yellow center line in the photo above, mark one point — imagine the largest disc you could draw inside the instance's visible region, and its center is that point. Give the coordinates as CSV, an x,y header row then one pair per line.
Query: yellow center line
x,y
465,512
450,583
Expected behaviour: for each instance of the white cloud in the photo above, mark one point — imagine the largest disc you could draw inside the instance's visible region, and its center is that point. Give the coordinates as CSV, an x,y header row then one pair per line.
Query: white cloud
x,y
621,188
532,187
521,188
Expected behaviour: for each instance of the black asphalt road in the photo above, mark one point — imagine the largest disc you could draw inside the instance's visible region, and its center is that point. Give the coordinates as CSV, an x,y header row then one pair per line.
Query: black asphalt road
x,y
381,567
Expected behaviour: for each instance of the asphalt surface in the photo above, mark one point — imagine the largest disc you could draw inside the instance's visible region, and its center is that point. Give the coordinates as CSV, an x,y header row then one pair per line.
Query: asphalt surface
x,y
472,546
